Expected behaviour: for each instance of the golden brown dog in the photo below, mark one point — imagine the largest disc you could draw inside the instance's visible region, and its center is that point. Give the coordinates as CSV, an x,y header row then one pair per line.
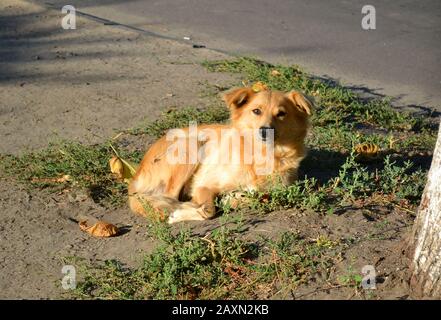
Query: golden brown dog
x,y
180,176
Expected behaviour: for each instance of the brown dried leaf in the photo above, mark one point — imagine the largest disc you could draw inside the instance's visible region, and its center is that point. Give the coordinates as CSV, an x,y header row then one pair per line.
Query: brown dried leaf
x,y
116,167
367,151
259,86
99,229
123,169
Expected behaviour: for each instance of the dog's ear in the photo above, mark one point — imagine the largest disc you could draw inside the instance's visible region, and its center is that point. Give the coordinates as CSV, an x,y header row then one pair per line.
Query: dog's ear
x,y
301,102
238,97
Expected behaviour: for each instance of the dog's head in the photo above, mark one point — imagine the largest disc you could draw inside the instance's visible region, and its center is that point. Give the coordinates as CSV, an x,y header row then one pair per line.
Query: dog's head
x,y
286,114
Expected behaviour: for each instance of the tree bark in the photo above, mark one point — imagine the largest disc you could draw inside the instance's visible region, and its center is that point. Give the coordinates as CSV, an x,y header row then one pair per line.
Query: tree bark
x,y
426,240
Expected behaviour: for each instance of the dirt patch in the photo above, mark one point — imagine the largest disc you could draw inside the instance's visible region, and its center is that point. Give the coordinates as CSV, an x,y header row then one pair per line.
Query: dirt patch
x,y
37,233
82,85
86,83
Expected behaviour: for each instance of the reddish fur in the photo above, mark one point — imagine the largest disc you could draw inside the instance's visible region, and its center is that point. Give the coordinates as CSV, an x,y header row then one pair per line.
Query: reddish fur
x,y
163,185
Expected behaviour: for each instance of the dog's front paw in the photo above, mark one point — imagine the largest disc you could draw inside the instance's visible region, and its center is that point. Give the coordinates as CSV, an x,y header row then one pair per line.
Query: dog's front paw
x,y
173,218
187,214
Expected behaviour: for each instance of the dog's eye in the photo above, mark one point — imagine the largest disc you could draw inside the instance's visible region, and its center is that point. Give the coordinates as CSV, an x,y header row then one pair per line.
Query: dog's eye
x,y
281,114
257,111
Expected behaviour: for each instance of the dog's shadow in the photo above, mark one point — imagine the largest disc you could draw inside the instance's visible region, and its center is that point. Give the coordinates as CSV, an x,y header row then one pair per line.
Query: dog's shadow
x,y
322,165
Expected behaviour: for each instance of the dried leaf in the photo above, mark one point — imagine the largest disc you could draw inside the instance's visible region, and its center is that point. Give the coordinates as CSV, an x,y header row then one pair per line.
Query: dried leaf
x,y
99,229
259,86
116,167
123,169
366,151
275,73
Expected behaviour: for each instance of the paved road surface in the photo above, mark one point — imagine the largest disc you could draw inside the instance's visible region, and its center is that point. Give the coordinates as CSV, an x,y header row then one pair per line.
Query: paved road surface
x,y
401,58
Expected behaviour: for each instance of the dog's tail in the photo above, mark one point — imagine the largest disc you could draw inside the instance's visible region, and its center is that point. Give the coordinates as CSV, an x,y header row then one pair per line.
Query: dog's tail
x,y
162,207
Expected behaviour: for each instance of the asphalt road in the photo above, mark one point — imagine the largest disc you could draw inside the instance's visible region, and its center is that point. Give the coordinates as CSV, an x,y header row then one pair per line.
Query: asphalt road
x,y
400,58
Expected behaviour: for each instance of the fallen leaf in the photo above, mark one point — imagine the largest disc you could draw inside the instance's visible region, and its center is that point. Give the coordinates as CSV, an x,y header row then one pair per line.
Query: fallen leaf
x,y
99,229
259,86
123,169
366,151
275,73
116,167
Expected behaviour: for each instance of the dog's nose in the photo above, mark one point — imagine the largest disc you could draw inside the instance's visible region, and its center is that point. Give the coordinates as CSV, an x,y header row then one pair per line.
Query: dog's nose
x,y
264,132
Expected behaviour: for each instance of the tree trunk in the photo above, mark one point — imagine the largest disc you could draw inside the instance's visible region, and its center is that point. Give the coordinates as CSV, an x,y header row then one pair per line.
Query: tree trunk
x,y
426,241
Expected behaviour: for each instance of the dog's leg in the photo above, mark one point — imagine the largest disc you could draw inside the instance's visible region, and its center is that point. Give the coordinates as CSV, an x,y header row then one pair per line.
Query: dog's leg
x,y
201,207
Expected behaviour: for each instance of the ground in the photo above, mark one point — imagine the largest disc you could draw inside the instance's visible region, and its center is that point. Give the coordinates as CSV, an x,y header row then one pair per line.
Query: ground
x,y
65,94
84,85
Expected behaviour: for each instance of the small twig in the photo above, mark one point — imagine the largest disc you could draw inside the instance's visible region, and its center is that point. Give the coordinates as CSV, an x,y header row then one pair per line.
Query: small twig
x,y
118,135
114,150
337,181
212,244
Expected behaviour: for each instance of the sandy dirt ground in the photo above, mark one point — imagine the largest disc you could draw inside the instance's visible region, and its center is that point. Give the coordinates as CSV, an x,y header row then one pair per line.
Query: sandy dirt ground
x,y
86,84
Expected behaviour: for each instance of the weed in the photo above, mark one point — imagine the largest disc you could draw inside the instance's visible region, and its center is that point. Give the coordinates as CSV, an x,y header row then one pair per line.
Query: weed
x,y
179,118
353,182
217,266
87,167
351,278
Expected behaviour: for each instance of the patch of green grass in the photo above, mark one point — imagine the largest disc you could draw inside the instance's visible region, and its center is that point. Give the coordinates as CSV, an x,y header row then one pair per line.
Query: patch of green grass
x,y
87,166
291,260
354,183
179,118
351,278
220,265
180,267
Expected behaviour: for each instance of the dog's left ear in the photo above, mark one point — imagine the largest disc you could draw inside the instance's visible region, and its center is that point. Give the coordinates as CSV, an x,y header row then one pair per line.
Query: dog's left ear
x,y
301,102
238,97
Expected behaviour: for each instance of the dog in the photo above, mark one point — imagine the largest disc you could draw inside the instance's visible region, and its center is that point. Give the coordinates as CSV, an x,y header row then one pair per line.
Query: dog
x,y
186,189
